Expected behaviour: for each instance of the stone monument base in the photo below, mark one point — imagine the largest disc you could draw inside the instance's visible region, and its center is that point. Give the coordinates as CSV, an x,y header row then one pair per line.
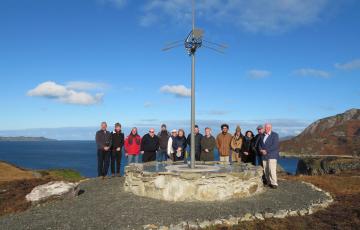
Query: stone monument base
x,y
207,182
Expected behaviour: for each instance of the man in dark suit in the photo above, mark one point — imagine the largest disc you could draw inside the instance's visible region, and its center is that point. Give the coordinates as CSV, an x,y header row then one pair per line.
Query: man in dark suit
x,y
103,143
269,149
257,138
198,137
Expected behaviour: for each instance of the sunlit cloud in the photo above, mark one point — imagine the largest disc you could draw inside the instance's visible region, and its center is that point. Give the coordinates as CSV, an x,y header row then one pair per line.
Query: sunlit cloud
x,y
85,85
177,90
64,94
255,15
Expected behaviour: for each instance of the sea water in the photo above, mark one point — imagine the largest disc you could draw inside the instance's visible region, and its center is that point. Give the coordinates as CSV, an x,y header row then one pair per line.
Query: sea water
x,y
77,155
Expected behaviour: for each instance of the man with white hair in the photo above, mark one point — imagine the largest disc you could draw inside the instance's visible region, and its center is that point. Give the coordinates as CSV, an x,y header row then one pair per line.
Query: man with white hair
x,y
269,149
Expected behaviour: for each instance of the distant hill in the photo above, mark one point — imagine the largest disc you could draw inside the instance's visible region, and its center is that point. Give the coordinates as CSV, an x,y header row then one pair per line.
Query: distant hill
x,y
285,138
335,135
22,138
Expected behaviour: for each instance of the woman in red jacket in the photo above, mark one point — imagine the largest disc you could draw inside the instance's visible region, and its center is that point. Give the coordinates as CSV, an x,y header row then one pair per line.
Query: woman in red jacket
x,y
132,146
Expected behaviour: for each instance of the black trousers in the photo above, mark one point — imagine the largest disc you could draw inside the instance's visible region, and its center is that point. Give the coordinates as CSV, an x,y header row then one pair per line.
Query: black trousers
x,y
197,156
149,156
103,158
115,157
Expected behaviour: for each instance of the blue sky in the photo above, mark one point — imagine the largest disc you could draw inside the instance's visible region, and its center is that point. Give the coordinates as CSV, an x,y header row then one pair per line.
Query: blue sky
x,y
76,63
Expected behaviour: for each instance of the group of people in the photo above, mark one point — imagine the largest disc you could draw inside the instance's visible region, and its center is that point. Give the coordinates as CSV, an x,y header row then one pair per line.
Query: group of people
x,y
261,149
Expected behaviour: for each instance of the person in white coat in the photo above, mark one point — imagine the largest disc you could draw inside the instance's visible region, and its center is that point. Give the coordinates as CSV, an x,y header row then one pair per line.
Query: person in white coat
x,y
170,149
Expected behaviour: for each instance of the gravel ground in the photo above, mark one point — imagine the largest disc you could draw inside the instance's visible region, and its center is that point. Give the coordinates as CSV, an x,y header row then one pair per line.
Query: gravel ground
x,y
105,205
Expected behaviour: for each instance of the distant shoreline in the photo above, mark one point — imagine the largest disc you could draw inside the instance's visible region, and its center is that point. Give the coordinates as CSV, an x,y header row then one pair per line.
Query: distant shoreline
x,y
23,138
289,155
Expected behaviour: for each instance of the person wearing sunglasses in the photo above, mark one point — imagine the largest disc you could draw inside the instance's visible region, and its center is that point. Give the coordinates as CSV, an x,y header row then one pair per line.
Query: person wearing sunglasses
x,y
149,146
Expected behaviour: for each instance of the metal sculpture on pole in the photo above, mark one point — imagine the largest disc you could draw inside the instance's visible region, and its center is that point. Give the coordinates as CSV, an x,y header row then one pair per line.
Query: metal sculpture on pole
x,y
192,42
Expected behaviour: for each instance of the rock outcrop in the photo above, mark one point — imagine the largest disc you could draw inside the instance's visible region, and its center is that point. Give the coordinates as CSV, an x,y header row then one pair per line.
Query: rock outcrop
x,y
54,189
326,165
335,135
235,181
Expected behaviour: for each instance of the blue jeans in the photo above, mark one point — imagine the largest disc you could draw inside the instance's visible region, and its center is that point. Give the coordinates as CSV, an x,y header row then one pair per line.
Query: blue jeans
x,y
132,159
161,155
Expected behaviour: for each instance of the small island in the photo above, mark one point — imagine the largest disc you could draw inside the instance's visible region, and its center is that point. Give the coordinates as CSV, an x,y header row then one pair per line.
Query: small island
x,y
23,138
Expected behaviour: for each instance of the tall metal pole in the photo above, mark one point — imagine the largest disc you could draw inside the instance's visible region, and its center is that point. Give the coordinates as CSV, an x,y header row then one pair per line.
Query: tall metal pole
x,y
192,141
192,164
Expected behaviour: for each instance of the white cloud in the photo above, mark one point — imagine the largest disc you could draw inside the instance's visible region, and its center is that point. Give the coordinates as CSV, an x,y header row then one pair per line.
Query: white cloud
x,y
256,73
255,15
351,65
311,73
85,85
178,90
64,94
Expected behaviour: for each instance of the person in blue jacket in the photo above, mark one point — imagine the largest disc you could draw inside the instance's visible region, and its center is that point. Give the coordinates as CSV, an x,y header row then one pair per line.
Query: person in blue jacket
x,y
269,150
179,145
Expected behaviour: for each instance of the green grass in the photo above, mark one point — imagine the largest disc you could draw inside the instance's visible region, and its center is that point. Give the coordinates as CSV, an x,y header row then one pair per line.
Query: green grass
x,y
62,174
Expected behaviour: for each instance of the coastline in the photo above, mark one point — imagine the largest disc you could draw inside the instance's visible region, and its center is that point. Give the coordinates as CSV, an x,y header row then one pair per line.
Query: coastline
x,y
291,155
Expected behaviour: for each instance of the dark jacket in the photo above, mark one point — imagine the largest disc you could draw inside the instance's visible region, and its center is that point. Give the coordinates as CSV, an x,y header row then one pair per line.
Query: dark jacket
x,y
257,139
208,143
248,146
198,138
149,144
179,142
164,139
117,140
103,139
271,146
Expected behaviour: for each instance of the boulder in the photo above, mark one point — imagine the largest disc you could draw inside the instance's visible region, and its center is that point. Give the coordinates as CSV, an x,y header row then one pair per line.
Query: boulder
x,y
326,165
280,214
54,189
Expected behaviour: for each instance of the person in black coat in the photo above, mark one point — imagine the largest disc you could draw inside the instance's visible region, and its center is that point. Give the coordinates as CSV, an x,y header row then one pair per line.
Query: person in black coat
x,y
116,149
103,143
164,136
257,138
198,137
179,145
149,145
247,153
